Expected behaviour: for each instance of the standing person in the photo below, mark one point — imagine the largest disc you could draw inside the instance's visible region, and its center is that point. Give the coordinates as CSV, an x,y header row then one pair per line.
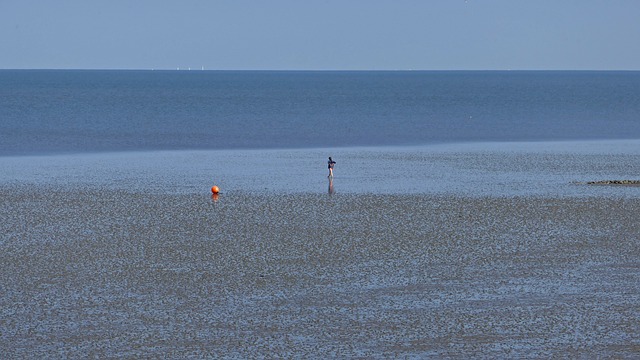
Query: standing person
x,y
331,164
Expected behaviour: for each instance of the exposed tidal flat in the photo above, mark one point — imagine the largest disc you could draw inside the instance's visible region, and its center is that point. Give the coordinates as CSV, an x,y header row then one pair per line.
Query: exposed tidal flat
x,y
117,274
127,255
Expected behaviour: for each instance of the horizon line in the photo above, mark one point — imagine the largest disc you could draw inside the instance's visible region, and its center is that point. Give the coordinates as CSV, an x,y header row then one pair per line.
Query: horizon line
x,y
187,69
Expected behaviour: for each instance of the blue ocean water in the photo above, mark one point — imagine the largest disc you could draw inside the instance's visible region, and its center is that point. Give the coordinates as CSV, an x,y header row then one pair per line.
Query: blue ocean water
x,y
60,111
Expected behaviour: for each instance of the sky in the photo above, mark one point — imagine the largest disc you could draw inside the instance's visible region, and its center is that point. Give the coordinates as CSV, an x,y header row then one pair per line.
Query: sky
x,y
321,34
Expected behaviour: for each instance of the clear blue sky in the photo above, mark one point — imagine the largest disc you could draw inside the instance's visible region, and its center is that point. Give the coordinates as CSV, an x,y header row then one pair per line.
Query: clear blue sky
x,y
320,34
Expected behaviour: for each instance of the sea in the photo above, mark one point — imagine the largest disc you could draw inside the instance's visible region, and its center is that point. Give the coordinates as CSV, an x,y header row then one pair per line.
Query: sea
x,y
83,111
459,222
465,132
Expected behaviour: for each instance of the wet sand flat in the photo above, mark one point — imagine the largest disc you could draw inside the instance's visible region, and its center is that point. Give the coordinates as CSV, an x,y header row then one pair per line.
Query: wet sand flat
x,y
89,272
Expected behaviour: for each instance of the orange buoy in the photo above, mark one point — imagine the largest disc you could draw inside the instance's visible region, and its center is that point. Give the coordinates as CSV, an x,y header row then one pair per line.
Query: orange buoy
x,y
215,189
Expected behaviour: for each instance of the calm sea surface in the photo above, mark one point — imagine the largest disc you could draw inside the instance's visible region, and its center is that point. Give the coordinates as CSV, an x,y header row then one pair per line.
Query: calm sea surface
x,y
55,111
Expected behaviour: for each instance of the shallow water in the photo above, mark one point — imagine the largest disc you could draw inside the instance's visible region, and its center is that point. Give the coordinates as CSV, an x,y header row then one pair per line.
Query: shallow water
x,y
472,169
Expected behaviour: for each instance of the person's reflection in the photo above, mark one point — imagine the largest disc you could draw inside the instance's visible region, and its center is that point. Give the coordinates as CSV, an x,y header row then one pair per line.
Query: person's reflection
x,y
331,189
